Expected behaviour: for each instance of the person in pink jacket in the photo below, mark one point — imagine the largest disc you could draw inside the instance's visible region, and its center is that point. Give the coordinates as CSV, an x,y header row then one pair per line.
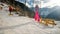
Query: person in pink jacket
x,y
36,17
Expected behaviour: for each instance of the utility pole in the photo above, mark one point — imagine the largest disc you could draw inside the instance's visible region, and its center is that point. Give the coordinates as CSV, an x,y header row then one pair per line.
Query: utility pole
x,y
25,2
25,9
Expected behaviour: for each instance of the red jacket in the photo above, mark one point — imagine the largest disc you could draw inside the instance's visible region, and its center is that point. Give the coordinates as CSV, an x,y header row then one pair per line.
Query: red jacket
x,y
10,8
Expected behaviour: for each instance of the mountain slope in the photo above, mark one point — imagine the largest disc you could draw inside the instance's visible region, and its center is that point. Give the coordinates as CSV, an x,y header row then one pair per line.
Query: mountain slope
x,y
55,14
24,10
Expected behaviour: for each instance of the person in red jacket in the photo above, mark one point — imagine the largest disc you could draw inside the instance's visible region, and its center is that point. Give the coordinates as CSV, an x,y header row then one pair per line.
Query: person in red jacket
x,y
10,9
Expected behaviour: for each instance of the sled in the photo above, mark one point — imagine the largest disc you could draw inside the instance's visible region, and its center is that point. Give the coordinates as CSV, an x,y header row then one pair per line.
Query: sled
x,y
48,21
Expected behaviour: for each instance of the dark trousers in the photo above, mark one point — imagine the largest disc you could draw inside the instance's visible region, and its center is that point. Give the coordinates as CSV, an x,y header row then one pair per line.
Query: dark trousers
x,y
10,12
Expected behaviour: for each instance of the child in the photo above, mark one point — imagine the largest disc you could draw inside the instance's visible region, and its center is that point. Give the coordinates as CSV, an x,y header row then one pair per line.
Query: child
x,y
10,9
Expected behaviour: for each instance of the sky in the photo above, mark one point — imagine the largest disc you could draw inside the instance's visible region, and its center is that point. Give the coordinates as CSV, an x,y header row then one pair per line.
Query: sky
x,y
41,3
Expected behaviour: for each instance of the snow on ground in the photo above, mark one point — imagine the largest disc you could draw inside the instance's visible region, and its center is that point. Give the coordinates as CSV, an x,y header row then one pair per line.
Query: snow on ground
x,y
23,25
